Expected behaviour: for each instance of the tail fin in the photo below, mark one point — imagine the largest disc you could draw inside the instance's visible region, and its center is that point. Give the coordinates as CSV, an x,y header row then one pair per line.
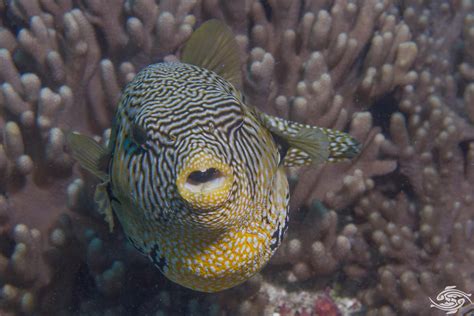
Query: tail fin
x,y
341,145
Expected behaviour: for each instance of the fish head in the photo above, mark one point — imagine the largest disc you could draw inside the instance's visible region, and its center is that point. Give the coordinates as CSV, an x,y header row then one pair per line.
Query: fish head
x,y
193,153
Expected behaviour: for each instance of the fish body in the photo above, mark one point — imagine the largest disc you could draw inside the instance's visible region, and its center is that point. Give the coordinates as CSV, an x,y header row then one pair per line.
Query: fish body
x,y
206,238
195,175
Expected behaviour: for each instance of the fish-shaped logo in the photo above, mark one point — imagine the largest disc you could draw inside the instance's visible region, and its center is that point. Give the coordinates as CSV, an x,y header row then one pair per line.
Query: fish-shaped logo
x,y
451,300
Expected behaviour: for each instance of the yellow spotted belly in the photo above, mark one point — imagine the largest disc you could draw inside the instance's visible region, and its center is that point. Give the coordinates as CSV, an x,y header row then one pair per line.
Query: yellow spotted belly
x,y
233,243
218,266
233,257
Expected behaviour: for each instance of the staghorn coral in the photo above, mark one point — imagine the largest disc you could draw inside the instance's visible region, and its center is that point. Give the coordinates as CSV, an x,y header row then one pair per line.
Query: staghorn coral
x,y
390,228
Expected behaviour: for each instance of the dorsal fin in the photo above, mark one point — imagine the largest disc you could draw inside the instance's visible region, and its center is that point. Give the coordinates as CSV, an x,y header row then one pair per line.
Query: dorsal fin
x,y
213,46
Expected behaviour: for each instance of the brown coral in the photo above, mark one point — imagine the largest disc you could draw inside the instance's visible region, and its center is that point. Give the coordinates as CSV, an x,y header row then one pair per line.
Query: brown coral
x,y
392,227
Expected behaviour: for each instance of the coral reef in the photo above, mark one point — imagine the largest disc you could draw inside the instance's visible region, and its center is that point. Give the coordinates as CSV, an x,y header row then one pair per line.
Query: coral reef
x,y
387,230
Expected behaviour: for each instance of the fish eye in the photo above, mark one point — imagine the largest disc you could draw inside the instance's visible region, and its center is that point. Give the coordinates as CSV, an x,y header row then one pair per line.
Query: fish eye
x,y
200,177
139,135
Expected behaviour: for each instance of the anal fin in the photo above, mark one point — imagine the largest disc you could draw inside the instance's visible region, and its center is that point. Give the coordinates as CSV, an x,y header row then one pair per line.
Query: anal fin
x,y
102,198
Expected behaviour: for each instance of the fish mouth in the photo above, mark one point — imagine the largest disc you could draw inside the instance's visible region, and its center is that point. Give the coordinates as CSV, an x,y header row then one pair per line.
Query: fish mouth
x,y
205,182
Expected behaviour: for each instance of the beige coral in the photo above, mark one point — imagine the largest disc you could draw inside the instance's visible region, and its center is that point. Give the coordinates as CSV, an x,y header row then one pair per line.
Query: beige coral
x,y
397,76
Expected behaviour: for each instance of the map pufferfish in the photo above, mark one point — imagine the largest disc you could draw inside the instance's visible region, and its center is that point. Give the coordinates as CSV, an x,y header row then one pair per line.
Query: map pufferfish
x,y
194,174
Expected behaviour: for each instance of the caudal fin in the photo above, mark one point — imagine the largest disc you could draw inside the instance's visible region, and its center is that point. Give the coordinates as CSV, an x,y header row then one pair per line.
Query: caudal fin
x,y
341,145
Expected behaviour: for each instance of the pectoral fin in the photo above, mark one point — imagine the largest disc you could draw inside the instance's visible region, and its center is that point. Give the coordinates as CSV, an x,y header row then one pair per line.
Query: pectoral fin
x,y
91,155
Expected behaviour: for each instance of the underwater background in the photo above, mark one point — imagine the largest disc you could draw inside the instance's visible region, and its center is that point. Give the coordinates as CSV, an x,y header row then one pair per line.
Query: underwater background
x,y
377,235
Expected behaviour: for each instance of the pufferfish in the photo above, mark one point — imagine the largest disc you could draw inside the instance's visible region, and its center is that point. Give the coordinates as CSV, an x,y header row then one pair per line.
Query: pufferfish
x,y
195,174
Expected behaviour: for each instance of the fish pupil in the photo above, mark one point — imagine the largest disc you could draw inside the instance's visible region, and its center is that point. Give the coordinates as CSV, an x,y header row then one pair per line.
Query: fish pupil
x,y
138,134
198,176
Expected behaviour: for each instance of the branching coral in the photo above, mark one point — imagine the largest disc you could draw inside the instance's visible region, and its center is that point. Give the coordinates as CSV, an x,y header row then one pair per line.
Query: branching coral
x,y
391,228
